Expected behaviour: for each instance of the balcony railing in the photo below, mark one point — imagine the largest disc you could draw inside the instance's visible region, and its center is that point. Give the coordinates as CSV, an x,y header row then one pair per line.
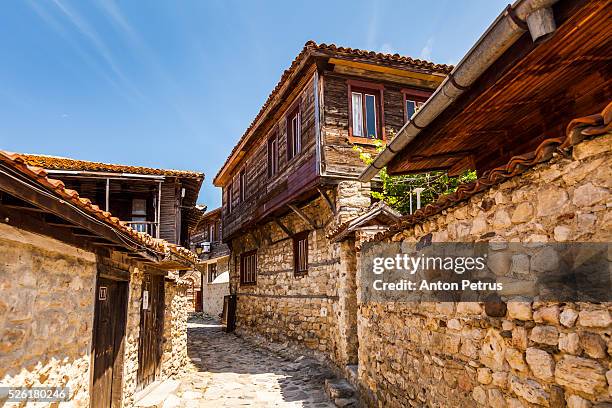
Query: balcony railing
x,y
149,227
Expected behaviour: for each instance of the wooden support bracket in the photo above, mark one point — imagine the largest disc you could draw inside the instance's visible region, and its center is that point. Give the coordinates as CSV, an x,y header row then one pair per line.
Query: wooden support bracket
x,y
329,202
303,216
283,227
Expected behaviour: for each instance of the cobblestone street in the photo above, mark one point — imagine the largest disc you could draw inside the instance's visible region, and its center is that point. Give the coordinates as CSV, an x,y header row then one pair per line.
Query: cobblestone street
x,y
228,371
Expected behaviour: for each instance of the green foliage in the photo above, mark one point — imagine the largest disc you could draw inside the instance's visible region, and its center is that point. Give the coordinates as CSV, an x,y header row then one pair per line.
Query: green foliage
x,y
396,189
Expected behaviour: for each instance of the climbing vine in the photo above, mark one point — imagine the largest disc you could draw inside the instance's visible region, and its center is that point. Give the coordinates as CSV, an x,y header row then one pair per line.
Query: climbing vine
x,y
396,190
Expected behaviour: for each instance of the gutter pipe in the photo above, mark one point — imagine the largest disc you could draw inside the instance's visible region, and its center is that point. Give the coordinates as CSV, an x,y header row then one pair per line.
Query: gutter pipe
x,y
535,16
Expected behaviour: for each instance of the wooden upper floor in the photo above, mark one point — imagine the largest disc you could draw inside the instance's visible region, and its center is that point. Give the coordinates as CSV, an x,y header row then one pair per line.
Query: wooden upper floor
x,y
330,100
158,202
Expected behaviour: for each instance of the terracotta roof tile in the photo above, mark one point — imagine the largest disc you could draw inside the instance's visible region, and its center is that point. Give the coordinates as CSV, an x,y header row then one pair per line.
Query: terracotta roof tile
x,y
576,131
331,50
21,164
64,163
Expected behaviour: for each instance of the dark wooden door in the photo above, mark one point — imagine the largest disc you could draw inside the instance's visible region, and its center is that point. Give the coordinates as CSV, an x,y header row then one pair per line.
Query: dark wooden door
x,y
109,332
151,330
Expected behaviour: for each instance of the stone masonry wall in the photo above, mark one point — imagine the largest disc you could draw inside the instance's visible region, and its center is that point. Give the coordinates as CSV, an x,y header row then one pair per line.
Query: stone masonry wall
x,y
175,358
46,313
302,310
212,297
539,354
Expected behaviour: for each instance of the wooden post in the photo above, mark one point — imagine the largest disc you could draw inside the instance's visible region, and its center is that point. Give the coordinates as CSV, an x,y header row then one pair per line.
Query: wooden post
x,y
108,194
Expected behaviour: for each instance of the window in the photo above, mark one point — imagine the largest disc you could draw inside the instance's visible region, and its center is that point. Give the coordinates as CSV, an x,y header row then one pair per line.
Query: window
x,y
300,253
242,181
212,272
220,231
248,268
272,156
413,101
139,214
412,107
228,197
294,130
364,115
211,233
366,120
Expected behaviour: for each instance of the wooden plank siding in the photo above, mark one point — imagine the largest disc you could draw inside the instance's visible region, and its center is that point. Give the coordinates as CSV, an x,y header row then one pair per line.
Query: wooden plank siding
x,y
339,157
168,223
297,179
263,194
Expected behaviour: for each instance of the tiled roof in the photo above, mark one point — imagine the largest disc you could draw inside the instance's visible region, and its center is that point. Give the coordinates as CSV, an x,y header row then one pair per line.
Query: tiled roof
x,y
331,50
64,163
576,131
21,164
376,209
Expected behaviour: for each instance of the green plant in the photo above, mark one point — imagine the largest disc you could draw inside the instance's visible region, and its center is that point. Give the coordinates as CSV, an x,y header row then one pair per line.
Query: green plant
x,y
396,189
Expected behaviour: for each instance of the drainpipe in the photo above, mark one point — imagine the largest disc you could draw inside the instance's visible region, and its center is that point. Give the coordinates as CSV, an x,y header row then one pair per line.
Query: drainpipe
x,y
533,15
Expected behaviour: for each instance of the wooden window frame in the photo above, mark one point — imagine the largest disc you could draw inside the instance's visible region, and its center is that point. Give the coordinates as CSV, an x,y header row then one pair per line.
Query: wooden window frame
x,y
297,238
242,183
272,154
295,110
243,258
370,88
416,95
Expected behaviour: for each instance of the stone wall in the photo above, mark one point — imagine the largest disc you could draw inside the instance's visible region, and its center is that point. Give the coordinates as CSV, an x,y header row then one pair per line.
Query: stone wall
x,y
212,298
174,358
132,335
302,310
46,313
538,354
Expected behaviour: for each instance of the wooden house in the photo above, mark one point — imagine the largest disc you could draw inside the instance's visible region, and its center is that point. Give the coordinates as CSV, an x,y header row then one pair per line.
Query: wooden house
x,y
160,202
213,255
292,177
302,140
86,302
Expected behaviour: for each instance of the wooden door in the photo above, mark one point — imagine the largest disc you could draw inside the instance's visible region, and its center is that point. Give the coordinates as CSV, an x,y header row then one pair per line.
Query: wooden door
x,y
151,330
109,333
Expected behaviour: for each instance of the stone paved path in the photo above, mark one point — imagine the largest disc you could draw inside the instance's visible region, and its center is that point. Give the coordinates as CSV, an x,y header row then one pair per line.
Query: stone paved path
x,y
230,372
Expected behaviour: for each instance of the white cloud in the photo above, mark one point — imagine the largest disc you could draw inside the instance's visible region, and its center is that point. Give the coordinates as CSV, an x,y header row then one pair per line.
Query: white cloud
x,y
426,50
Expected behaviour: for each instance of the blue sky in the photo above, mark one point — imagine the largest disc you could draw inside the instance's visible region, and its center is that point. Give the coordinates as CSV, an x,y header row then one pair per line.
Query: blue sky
x,y
174,84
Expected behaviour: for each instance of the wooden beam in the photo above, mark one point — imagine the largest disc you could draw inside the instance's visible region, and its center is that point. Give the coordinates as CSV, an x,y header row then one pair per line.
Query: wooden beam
x,y
303,216
105,244
56,206
437,77
329,202
24,207
283,227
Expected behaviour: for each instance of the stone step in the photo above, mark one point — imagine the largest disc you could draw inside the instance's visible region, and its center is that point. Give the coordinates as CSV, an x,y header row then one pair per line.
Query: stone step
x,y
339,389
154,394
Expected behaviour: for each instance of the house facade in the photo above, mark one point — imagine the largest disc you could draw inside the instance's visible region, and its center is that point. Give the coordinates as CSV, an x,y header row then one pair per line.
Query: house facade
x,y
213,265
161,203
292,177
86,302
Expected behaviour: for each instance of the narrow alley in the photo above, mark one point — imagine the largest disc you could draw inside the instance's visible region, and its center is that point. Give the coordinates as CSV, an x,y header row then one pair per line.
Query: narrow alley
x,y
228,371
